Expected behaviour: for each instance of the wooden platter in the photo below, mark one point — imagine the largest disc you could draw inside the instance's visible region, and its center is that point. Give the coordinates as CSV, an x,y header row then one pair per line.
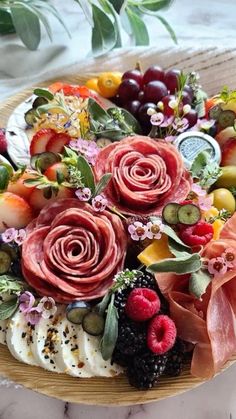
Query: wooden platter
x,y
95,391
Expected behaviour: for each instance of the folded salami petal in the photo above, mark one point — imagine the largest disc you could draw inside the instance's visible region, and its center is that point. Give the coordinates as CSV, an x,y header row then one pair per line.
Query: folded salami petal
x,y
73,252
147,174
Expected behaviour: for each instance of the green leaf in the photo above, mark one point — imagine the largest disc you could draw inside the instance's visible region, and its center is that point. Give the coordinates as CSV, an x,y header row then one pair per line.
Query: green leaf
x,y
127,122
172,234
6,24
49,8
10,285
44,93
86,173
97,113
155,5
125,22
139,29
108,8
4,178
199,282
27,25
177,249
117,4
86,10
181,265
103,182
199,163
60,177
103,34
110,332
8,308
169,29
102,306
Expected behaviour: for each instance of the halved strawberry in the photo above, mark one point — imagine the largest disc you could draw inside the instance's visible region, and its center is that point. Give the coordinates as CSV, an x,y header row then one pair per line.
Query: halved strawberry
x,y
51,172
38,201
40,140
14,211
57,142
229,153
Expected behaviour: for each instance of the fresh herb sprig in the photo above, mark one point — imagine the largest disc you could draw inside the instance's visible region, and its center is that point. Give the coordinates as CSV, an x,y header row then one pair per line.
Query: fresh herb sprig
x,y
206,172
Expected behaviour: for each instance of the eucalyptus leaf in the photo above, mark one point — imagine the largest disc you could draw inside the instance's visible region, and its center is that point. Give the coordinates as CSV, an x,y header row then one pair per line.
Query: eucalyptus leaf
x,y
44,93
84,4
108,8
110,332
6,24
42,17
86,173
169,29
8,308
103,34
199,282
181,265
27,25
155,5
139,29
49,8
117,4
102,184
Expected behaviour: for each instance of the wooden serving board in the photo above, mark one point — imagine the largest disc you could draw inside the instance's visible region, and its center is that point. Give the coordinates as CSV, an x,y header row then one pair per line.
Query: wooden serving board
x,y
94,391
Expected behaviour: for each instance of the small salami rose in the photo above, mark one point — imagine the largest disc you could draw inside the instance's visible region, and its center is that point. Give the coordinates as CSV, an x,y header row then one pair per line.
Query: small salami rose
x,y
73,252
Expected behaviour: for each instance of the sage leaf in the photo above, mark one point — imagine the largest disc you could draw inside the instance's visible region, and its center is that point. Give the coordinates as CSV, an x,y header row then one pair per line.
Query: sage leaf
x,y
103,182
4,178
110,335
8,308
102,306
103,34
86,173
97,113
44,93
176,248
172,234
181,265
27,25
199,282
199,164
139,29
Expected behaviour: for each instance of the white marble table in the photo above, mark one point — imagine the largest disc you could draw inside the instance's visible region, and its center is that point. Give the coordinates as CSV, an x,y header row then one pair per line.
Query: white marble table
x,y
198,23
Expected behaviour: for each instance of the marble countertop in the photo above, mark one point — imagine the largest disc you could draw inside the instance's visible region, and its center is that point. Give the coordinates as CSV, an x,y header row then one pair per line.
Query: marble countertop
x,y
200,23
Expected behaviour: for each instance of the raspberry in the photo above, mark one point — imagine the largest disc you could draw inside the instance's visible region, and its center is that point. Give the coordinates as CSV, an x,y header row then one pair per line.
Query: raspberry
x,y
198,234
142,304
161,334
3,142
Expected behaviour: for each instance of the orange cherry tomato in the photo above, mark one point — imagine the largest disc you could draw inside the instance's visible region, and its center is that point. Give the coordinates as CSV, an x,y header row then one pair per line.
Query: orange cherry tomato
x,y
93,84
108,83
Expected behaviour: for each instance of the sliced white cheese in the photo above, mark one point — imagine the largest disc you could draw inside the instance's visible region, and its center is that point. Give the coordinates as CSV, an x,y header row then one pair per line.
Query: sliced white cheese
x,y
19,338
68,356
46,341
90,354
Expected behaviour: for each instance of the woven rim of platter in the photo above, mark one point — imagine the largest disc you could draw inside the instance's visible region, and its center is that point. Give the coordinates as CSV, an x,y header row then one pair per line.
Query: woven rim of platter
x,y
93,391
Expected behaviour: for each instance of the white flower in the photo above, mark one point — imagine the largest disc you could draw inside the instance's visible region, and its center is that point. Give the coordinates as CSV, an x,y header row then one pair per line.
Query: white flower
x,y
151,111
173,104
186,109
155,229
160,105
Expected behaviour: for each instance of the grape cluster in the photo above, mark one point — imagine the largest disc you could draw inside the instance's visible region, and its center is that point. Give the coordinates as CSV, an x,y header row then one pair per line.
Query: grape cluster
x,y
138,92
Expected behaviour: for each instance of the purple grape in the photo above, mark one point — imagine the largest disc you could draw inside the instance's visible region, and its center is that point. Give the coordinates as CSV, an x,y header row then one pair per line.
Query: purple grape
x,y
154,91
133,107
192,117
153,73
128,90
171,80
143,117
134,75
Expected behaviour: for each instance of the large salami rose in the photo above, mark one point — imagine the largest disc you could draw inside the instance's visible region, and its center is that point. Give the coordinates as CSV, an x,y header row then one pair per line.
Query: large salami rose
x,y
147,174
72,252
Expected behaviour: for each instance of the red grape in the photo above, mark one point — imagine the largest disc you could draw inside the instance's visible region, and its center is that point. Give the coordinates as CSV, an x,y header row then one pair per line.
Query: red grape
x,y
143,117
154,91
189,90
134,75
133,107
141,96
192,117
171,79
153,73
167,110
186,99
128,90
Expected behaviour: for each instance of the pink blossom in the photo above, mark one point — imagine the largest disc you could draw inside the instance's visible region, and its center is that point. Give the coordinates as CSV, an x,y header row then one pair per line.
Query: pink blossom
x,y
138,231
9,235
83,194
99,203
34,315
170,138
217,266
27,301
167,121
229,257
205,203
198,190
20,237
155,229
87,148
204,124
48,307
157,119
180,125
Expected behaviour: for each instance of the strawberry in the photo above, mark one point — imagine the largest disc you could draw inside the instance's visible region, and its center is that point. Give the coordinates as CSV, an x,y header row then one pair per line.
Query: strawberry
x,y
38,201
142,304
40,139
51,172
229,153
3,142
14,211
161,334
57,142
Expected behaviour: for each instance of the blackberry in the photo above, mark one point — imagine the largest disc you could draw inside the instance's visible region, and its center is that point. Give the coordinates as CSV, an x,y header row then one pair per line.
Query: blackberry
x,y
175,360
131,338
146,370
121,359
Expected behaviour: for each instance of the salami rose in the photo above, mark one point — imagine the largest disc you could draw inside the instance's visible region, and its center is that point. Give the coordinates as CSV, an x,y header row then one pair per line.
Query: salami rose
x,y
72,252
147,174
